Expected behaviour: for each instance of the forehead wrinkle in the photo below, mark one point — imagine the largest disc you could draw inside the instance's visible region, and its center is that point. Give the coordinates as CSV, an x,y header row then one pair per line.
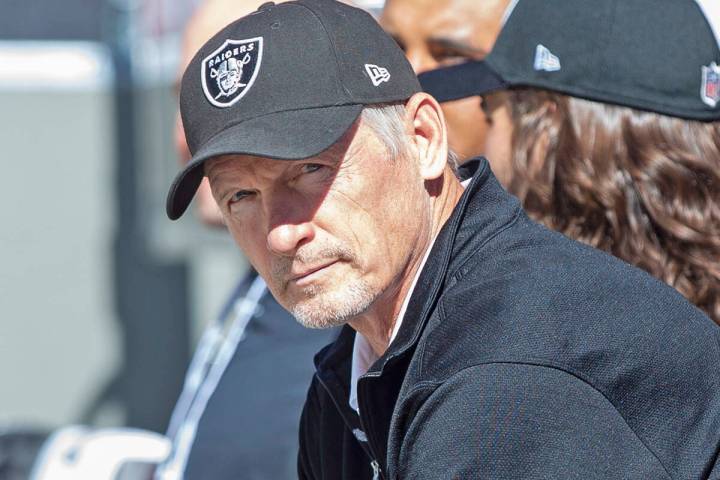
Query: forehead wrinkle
x,y
214,169
212,166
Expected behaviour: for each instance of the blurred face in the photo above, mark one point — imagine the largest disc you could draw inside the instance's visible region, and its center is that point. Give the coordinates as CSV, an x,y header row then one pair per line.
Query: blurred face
x,y
327,234
228,81
498,136
436,33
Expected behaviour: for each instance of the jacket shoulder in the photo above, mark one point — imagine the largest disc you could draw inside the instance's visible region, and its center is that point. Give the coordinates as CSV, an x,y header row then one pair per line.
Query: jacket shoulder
x,y
539,298
538,293
526,421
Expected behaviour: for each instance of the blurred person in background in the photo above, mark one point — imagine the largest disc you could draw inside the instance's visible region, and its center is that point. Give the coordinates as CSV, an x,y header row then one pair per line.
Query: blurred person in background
x,y
612,138
437,33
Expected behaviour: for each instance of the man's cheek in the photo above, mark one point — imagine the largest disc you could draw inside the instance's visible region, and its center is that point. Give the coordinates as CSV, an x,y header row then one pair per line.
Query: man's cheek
x,y
253,247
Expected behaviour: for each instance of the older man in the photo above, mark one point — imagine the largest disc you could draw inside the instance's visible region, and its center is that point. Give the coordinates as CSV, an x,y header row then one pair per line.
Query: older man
x,y
477,344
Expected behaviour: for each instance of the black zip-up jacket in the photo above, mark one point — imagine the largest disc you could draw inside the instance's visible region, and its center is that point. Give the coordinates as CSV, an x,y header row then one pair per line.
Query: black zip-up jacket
x,y
523,354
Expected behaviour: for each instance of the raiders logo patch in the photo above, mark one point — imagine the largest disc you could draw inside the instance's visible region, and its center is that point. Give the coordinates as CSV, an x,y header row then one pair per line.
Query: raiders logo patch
x,y
228,73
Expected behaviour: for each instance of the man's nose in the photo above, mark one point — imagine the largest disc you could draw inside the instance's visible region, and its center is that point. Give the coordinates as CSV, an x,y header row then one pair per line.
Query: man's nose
x,y
290,228
287,238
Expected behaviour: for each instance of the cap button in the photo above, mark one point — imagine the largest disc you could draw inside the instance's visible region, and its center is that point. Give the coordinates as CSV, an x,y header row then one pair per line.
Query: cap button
x,y
265,6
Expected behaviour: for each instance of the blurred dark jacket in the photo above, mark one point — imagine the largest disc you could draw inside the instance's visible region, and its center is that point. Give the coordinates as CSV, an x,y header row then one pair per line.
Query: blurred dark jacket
x,y
238,415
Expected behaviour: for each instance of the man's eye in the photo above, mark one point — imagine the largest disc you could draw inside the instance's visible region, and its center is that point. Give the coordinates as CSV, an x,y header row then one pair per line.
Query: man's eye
x,y
311,167
450,60
240,195
446,57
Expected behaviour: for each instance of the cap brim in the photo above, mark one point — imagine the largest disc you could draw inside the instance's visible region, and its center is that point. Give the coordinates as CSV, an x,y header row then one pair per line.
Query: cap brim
x,y
291,135
460,81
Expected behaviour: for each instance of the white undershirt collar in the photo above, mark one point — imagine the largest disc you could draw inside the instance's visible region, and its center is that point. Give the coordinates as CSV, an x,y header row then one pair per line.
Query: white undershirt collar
x,y
363,354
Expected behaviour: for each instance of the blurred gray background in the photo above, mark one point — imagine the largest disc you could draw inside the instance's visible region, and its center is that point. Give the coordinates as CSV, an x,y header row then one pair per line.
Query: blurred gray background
x,y
101,297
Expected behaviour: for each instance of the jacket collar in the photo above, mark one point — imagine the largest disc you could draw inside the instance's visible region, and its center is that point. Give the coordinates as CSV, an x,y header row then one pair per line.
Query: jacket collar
x,y
484,208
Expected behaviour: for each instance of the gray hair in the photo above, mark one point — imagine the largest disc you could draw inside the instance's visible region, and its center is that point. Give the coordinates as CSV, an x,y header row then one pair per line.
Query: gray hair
x,y
387,121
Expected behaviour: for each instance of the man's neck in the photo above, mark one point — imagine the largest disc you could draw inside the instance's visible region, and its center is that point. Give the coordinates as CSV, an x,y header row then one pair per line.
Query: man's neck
x,y
377,324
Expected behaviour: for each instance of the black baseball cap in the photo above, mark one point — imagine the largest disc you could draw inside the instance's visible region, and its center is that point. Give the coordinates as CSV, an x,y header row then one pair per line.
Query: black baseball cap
x,y
656,55
285,82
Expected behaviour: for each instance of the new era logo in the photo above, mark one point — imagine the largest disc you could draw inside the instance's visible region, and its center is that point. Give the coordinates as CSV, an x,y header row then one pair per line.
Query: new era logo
x,y
545,60
377,74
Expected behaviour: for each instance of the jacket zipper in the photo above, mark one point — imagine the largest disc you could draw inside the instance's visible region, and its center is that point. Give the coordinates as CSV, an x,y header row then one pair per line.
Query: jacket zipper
x,y
376,469
375,465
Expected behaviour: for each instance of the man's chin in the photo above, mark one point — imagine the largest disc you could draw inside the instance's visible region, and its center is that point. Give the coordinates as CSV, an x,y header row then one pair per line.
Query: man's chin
x,y
335,308
316,322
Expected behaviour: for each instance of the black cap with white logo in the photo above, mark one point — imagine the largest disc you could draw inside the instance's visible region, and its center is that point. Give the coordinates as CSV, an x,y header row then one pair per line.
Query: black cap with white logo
x,y
285,82
655,55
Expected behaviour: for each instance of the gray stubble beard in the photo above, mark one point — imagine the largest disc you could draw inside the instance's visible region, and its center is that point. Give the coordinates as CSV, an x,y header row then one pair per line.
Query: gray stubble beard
x,y
330,309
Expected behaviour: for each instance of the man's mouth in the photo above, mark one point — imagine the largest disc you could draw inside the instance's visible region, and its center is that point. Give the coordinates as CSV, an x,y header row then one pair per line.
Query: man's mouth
x,y
307,275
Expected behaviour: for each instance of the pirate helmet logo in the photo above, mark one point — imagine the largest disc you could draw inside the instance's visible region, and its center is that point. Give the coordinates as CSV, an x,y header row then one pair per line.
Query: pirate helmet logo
x,y
230,70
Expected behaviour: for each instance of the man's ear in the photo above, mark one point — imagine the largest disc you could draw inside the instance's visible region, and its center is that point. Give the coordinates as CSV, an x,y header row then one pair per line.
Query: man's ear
x,y
428,132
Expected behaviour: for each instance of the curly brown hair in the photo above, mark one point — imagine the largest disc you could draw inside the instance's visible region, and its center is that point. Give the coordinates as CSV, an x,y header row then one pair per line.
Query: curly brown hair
x,y
642,186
